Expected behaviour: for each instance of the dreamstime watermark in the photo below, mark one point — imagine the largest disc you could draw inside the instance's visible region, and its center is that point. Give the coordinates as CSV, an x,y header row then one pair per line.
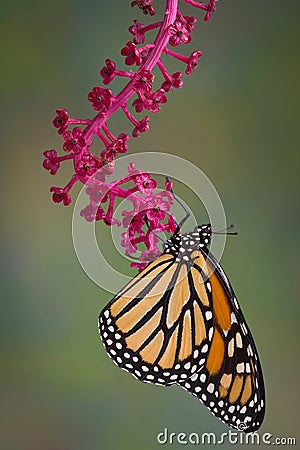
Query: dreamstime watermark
x,y
178,169
231,437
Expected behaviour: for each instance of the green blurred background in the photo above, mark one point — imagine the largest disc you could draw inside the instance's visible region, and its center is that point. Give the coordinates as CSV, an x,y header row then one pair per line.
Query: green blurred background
x,y
237,119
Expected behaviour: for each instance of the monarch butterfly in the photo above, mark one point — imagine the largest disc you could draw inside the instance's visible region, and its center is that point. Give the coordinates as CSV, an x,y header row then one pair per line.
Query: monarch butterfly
x,y
179,322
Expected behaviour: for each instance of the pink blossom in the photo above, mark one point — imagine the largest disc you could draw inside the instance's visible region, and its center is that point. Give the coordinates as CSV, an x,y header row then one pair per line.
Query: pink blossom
x,y
155,100
190,22
139,266
193,62
132,170
171,226
60,195
92,212
108,71
127,217
61,120
150,101
179,33
119,146
135,30
145,6
132,54
168,185
211,7
142,127
109,153
89,212
139,104
145,183
100,98
157,207
127,244
74,140
105,170
176,82
51,161
143,81
87,165
96,190
136,224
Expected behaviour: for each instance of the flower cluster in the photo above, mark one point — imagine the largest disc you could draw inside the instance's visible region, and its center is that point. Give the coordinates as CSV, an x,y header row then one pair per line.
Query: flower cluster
x,y
137,96
150,209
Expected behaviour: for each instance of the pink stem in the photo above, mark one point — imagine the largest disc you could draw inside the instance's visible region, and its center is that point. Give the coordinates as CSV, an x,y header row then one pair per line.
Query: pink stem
x,y
73,180
110,209
164,71
64,158
103,139
130,116
119,192
108,133
123,73
178,56
79,121
138,240
150,27
197,4
132,190
146,47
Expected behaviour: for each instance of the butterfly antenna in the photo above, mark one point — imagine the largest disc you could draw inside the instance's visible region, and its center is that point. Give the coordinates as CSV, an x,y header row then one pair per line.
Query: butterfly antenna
x,y
186,210
225,231
152,231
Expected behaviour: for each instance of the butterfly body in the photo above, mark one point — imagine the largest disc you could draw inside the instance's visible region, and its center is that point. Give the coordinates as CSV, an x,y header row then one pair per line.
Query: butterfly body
x,y
178,322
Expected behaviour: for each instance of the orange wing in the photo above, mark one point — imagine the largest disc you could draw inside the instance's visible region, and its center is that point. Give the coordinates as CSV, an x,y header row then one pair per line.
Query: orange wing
x,y
159,327
231,382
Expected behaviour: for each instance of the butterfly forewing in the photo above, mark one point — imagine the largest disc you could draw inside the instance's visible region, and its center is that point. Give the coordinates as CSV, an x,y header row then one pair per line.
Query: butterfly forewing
x,y
157,327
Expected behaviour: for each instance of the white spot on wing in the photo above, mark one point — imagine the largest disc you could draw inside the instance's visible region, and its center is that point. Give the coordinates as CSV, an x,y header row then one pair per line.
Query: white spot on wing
x,y
233,318
211,388
208,315
231,348
240,368
239,341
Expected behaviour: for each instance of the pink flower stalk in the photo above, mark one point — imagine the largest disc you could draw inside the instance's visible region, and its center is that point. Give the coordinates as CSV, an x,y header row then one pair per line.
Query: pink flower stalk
x,y
174,30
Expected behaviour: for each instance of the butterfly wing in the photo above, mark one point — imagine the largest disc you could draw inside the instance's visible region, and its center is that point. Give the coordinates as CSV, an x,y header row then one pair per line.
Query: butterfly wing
x,y
231,382
158,327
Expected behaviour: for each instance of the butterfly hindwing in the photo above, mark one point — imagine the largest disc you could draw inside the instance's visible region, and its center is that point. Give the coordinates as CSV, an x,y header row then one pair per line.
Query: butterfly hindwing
x,y
230,383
